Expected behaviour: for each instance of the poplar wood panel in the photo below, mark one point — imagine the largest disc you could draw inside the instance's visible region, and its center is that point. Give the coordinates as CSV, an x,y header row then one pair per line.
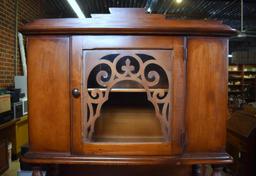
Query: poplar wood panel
x,y
206,104
48,87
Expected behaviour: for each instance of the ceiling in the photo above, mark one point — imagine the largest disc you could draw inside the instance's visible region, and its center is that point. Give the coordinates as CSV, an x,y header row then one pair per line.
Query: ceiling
x,y
226,10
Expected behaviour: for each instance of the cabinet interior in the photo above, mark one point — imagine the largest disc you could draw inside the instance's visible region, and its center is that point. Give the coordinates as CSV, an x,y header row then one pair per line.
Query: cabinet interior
x,y
127,117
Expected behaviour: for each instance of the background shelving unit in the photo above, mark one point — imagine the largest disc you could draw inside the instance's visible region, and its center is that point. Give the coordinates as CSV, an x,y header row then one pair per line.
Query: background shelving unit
x,y
241,84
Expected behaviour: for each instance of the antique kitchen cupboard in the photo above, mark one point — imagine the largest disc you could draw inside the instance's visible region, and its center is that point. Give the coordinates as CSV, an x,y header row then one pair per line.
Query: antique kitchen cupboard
x,y
127,88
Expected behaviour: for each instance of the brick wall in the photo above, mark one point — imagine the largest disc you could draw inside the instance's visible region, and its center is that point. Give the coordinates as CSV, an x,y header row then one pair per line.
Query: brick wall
x,y
27,11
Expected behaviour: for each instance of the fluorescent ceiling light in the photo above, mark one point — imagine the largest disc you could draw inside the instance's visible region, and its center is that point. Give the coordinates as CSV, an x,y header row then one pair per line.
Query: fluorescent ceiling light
x,y
178,1
76,8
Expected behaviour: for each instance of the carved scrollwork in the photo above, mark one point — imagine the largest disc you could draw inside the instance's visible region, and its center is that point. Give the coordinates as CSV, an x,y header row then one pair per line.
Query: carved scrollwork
x,y
102,74
122,68
154,76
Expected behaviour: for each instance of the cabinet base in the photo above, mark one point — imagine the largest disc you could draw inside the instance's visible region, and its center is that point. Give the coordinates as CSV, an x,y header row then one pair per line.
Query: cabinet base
x,y
185,159
112,170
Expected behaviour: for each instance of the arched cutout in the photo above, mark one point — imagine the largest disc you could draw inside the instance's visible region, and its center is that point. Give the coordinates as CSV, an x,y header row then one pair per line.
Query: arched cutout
x,y
140,68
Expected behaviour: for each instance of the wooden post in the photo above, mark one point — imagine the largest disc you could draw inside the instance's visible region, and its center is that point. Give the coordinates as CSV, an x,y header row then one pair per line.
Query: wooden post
x,y
36,171
217,170
196,170
53,170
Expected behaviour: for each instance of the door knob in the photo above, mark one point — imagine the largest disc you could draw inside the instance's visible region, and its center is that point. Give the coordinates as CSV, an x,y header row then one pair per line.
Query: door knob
x,y
76,92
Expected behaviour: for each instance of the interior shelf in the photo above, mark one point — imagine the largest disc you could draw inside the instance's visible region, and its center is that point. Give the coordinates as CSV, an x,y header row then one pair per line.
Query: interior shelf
x,y
126,89
235,85
249,72
234,72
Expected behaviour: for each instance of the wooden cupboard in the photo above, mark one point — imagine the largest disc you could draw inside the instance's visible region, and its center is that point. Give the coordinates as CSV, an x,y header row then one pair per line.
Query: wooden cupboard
x,y
127,88
20,137
7,134
4,164
241,142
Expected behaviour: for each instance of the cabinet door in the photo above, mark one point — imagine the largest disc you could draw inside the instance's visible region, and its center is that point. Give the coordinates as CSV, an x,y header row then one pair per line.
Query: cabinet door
x,y
127,95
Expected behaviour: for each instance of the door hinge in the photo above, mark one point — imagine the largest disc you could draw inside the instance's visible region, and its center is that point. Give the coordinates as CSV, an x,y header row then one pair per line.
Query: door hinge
x,y
185,55
183,139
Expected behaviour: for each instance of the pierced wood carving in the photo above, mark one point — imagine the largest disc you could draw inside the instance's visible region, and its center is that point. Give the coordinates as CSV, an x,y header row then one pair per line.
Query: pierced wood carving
x,y
114,68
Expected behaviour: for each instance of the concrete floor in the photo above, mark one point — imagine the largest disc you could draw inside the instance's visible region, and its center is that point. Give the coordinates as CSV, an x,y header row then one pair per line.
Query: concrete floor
x,y
15,167
12,171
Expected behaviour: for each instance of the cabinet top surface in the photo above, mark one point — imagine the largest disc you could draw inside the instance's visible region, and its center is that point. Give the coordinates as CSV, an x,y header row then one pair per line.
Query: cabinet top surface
x,y
128,21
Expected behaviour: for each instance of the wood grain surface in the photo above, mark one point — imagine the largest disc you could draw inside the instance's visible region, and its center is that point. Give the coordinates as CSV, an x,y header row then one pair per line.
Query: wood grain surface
x,y
48,93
